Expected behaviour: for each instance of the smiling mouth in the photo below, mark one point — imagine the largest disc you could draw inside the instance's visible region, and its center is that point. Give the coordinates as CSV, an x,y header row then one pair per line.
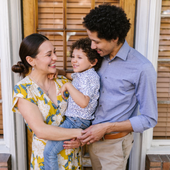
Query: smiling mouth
x,y
52,65
75,66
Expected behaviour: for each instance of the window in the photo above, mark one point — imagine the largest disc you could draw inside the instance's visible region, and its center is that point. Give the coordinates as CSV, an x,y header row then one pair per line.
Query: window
x,y
162,129
61,22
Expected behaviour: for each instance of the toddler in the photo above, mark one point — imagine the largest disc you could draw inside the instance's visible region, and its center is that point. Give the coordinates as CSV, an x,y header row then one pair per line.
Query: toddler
x,y
84,94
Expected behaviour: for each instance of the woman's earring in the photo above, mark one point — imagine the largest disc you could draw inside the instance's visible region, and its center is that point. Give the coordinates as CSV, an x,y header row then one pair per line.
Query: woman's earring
x,y
32,68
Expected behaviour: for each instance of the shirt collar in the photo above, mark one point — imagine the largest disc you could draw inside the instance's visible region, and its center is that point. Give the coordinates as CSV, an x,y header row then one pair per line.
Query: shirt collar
x,y
123,52
73,75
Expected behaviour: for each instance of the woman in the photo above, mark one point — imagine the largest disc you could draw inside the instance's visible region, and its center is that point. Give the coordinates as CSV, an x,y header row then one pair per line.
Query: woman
x,y
35,97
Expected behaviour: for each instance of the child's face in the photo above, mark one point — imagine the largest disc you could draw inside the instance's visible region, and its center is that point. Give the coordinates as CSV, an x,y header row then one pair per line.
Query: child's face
x,y
80,61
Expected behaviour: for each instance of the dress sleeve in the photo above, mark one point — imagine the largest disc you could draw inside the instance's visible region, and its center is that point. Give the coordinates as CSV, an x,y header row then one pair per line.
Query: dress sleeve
x,y
22,91
25,91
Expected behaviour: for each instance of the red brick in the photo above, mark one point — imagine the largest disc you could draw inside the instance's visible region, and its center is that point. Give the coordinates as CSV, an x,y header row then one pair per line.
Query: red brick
x,y
168,156
154,161
166,162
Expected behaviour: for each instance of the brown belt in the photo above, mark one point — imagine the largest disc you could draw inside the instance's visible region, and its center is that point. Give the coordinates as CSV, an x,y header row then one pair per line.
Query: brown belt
x,y
115,135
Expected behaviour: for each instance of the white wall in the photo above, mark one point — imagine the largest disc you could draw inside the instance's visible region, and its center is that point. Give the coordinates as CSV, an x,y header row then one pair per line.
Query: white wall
x,y
13,126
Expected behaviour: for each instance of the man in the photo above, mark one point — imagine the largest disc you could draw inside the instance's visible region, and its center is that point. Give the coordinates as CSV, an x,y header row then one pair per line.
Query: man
x,y
128,80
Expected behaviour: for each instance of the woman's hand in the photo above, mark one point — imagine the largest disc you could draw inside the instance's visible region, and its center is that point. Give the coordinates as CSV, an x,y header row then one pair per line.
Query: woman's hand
x,y
52,76
73,143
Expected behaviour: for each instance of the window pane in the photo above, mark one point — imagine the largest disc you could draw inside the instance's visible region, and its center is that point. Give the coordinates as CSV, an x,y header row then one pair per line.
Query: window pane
x,y
76,10
57,40
162,129
72,37
50,14
112,2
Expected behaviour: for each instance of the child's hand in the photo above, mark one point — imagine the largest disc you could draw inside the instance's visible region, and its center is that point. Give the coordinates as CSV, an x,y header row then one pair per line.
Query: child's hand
x,y
51,76
73,143
63,90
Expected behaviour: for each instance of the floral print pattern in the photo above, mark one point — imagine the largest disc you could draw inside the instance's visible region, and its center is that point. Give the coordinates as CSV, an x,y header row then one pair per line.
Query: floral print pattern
x,y
69,159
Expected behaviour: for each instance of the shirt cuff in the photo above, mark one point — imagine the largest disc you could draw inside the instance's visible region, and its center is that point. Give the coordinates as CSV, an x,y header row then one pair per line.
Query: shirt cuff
x,y
136,124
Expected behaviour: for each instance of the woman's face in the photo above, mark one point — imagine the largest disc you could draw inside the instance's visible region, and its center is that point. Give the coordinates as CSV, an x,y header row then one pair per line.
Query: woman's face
x,y
45,61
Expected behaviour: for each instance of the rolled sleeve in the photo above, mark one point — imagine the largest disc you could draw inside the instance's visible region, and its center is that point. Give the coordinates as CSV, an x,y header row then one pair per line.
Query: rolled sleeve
x,y
147,99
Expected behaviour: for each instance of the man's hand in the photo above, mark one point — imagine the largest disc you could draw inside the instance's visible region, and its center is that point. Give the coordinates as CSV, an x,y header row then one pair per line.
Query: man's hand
x,y
93,133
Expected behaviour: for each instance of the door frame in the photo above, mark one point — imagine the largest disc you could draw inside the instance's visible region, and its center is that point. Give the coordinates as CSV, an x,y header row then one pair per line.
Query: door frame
x,y
146,43
13,125
30,25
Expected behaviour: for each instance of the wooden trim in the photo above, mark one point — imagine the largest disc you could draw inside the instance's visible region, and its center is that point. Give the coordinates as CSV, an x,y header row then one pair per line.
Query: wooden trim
x,y
60,30
93,4
122,3
65,49
64,15
129,8
35,15
64,34
30,20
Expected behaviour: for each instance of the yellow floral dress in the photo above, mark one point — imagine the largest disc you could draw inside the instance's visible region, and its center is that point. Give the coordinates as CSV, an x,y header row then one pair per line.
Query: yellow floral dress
x,y
69,159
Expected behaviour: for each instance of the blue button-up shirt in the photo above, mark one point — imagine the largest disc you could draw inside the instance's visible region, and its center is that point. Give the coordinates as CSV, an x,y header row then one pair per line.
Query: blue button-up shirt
x,y
127,81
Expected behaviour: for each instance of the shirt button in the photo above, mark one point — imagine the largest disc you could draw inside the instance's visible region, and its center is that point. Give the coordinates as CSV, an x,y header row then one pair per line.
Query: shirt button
x,y
100,105
105,77
102,91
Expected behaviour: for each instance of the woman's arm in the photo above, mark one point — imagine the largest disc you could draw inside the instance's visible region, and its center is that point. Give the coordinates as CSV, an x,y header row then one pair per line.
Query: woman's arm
x,y
78,97
34,118
64,73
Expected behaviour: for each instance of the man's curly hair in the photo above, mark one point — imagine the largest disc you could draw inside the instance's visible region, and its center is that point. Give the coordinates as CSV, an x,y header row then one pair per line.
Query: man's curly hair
x,y
108,21
85,45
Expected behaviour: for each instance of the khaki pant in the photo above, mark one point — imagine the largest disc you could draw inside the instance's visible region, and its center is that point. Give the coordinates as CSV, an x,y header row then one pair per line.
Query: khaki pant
x,y
111,154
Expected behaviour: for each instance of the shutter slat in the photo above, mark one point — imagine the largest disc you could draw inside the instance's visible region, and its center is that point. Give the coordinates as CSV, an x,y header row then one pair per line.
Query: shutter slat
x,y
162,129
165,3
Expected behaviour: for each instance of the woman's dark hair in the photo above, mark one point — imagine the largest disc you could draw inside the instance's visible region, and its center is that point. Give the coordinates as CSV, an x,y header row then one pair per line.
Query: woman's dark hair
x,y
29,47
85,45
109,21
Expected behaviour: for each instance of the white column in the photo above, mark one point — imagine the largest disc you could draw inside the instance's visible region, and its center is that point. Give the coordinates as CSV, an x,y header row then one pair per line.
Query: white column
x,y
147,43
14,129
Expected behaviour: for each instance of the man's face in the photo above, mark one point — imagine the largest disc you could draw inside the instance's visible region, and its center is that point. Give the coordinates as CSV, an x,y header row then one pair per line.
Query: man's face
x,y
102,46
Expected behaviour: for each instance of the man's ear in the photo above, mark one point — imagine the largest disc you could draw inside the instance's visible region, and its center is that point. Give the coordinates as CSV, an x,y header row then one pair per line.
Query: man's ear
x,y
95,62
115,40
30,60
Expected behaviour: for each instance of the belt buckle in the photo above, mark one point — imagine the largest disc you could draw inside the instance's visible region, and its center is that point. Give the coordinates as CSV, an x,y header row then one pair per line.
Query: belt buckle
x,y
103,139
